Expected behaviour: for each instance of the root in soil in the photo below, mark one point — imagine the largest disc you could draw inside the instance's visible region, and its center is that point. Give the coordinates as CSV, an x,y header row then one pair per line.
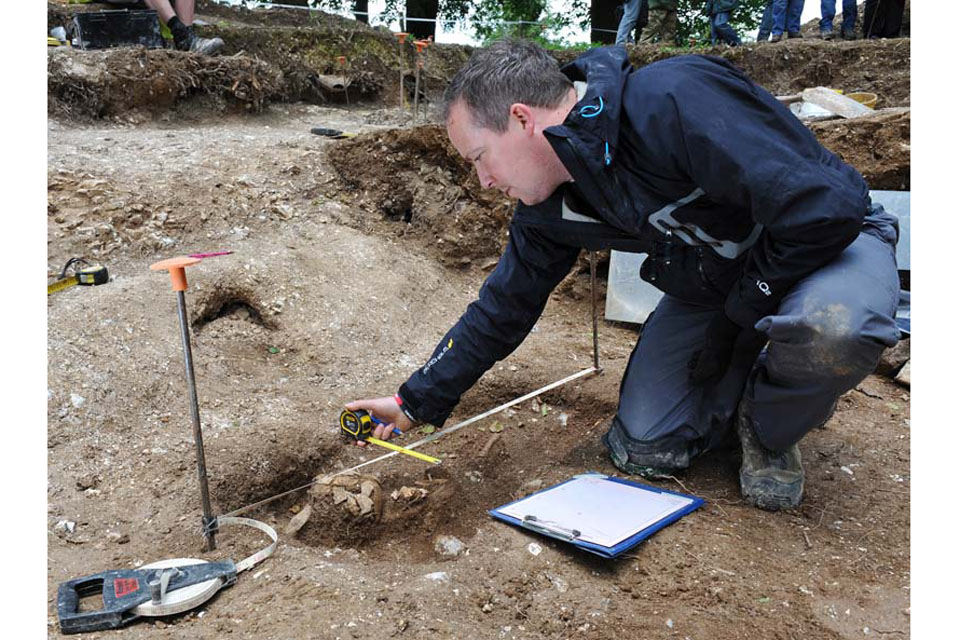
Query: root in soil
x,y
124,81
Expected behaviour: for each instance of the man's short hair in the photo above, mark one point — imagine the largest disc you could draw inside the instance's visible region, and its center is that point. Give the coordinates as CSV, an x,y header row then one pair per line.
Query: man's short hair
x,y
506,72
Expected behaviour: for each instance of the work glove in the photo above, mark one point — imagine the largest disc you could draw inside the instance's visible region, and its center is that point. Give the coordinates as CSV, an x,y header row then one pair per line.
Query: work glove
x,y
724,339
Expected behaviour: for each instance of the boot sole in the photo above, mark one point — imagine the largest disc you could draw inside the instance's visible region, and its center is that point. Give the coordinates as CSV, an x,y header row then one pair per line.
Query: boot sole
x,y
786,496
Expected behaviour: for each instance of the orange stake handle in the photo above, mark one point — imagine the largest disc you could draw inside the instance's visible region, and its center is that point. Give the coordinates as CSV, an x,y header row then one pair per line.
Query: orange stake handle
x,y
177,268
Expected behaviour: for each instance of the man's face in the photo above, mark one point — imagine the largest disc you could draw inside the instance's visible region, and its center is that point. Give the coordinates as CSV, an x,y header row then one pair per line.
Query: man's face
x,y
519,161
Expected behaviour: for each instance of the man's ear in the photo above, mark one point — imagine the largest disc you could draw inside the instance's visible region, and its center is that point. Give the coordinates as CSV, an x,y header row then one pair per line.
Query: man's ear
x,y
522,115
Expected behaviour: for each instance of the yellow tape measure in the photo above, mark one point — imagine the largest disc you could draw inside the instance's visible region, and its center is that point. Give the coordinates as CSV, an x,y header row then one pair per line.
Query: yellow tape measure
x,y
409,452
359,425
87,277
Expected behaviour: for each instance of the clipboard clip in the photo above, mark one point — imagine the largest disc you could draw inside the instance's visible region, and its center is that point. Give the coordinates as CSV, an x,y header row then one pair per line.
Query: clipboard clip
x,y
549,528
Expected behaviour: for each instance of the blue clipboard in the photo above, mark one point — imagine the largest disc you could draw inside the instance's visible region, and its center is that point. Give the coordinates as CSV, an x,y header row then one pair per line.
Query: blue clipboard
x,y
570,533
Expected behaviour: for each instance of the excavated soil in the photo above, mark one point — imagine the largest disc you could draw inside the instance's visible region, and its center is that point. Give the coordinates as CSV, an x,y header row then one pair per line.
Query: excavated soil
x,y
350,259
877,145
131,82
789,66
415,176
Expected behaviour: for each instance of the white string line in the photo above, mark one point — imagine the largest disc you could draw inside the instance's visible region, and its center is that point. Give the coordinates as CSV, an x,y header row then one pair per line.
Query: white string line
x,y
430,438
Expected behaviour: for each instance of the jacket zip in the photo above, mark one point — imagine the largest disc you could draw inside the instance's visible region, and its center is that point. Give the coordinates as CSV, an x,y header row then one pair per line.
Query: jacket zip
x,y
583,168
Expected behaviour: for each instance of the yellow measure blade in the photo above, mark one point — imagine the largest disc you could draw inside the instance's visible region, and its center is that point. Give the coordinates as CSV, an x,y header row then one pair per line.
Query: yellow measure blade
x,y
62,284
409,452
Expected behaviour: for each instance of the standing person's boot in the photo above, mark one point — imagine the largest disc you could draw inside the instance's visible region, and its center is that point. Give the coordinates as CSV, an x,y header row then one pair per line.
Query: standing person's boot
x,y
185,39
794,34
828,35
768,480
849,35
777,37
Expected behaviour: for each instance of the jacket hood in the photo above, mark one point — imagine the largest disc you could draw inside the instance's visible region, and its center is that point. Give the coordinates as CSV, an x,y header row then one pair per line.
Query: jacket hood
x,y
594,122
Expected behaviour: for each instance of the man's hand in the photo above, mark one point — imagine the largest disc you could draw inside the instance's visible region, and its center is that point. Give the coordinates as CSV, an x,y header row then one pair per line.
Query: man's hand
x,y
724,337
387,411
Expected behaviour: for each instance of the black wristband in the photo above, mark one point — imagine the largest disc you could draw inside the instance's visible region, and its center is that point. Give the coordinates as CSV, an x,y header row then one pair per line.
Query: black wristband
x,y
405,407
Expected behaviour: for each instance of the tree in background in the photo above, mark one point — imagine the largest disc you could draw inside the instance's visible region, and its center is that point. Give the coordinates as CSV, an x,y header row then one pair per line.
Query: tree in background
x,y
694,25
491,20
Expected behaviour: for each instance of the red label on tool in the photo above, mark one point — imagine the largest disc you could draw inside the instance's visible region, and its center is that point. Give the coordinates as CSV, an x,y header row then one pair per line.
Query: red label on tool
x,y
124,586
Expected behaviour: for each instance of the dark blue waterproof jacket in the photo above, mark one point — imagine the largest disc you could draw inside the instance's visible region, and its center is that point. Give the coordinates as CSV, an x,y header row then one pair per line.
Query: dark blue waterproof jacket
x,y
730,195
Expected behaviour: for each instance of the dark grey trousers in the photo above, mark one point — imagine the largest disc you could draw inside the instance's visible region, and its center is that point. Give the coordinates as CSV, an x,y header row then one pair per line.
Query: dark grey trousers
x,y
826,336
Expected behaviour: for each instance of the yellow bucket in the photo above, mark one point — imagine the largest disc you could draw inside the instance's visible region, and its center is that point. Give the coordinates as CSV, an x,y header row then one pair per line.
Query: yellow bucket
x,y
866,99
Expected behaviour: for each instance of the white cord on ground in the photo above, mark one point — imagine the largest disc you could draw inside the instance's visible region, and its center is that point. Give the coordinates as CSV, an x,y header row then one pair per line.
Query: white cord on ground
x,y
430,438
263,554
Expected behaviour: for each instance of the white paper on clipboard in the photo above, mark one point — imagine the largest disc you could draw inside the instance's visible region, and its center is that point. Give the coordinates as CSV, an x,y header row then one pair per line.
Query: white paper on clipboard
x,y
603,512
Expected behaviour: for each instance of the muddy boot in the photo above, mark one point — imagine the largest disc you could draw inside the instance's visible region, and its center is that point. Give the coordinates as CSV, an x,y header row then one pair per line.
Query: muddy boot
x,y
777,37
206,46
828,35
768,480
185,39
794,34
849,35
658,465
650,473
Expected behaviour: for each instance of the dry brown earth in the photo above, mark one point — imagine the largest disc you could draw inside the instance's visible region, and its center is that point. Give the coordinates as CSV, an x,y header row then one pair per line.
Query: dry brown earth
x,y
350,260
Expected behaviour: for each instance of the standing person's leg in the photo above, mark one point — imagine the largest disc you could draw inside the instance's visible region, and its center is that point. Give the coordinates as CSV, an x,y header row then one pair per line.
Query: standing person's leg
x,y
726,33
185,11
849,24
848,27
826,336
669,28
869,18
766,23
828,9
654,27
779,19
663,421
794,10
894,18
631,10
180,23
643,18
164,9
713,29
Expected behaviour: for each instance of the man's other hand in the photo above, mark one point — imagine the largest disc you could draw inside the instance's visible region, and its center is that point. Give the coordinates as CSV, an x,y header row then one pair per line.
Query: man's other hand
x,y
385,410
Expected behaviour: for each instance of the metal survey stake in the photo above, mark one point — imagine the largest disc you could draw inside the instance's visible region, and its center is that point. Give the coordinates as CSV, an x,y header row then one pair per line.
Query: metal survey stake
x,y
401,39
178,278
342,62
421,45
593,306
